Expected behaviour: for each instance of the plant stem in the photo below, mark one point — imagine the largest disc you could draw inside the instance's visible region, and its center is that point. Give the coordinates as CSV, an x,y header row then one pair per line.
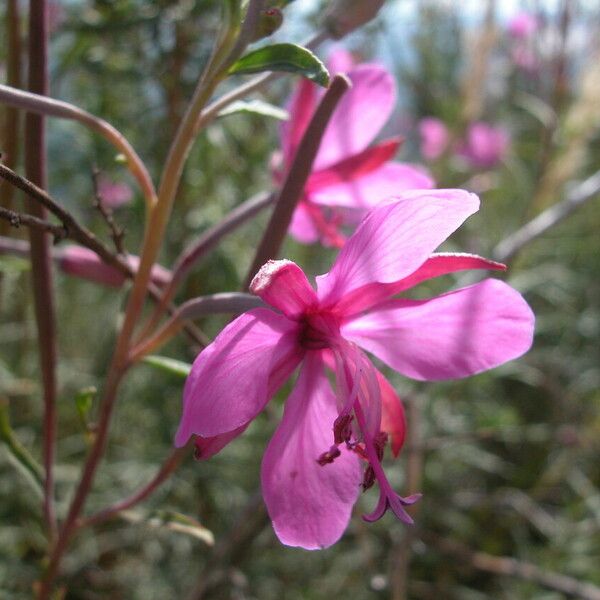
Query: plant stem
x,y
35,103
201,246
299,172
41,271
167,468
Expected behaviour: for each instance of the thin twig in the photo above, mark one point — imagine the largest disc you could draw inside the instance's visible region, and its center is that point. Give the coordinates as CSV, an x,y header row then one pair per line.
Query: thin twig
x,y
511,245
168,467
511,567
297,175
16,219
116,233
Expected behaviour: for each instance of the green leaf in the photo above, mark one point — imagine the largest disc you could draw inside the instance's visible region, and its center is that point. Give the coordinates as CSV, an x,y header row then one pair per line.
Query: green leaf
x,y
256,107
283,57
170,365
19,455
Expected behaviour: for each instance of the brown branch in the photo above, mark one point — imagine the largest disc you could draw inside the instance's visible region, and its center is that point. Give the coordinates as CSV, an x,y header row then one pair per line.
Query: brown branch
x,y
297,175
116,233
16,219
511,567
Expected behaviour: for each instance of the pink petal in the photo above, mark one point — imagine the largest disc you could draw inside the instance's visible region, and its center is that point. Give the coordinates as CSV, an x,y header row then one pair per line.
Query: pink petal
x,y
302,227
234,377
340,61
370,189
355,166
436,265
359,116
393,419
455,335
283,285
205,448
310,505
395,239
301,107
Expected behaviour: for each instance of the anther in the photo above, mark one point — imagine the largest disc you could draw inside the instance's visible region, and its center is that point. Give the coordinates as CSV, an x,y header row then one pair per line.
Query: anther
x,y
328,457
342,429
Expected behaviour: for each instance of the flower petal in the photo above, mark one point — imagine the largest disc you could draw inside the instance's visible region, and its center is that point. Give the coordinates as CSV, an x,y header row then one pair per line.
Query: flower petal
x,y
455,335
359,116
206,447
283,285
354,167
302,228
234,377
300,107
310,504
395,239
393,419
370,189
436,265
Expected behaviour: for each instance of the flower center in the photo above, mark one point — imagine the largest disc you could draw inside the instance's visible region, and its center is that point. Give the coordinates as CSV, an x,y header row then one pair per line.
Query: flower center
x,y
321,330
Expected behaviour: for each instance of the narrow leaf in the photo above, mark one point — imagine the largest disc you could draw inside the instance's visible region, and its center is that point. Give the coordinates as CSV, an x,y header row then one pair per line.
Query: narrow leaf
x,y
256,107
283,57
169,365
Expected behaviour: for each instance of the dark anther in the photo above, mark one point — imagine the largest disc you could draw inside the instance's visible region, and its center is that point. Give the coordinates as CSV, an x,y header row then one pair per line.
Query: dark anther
x,y
328,457
342,429
368,478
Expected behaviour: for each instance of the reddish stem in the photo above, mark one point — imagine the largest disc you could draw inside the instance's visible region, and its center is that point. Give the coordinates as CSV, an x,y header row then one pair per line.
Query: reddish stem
x,y
35,168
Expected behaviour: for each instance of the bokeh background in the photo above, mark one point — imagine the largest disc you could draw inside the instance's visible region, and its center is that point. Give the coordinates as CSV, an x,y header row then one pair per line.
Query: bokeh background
x,y
508,461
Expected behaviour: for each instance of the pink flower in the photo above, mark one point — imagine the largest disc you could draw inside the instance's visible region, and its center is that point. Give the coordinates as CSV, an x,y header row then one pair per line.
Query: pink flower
x,y
485,145
113,194
349,177
523,25
434,137
82,262
311,470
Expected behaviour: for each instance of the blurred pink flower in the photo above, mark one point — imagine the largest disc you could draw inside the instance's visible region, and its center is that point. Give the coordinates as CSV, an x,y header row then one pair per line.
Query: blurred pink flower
x,y
349,177
523,25
311,470
82,262
485,145
114,194
434,137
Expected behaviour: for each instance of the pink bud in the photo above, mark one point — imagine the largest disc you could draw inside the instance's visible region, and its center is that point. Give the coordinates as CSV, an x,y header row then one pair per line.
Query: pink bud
x,y
113,194
82,262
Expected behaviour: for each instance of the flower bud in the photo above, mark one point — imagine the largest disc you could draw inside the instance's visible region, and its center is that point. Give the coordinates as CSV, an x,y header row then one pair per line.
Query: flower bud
x,y
82,262
345,16
269,22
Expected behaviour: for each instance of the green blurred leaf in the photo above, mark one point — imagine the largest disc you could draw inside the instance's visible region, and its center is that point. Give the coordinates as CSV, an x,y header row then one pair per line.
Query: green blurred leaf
x,y
13,265
290,58
173,521
170,365
256,107
19,455
84,400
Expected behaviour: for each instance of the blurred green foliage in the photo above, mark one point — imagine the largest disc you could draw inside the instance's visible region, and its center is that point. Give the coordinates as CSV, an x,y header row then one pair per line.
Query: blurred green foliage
x,y
509,458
